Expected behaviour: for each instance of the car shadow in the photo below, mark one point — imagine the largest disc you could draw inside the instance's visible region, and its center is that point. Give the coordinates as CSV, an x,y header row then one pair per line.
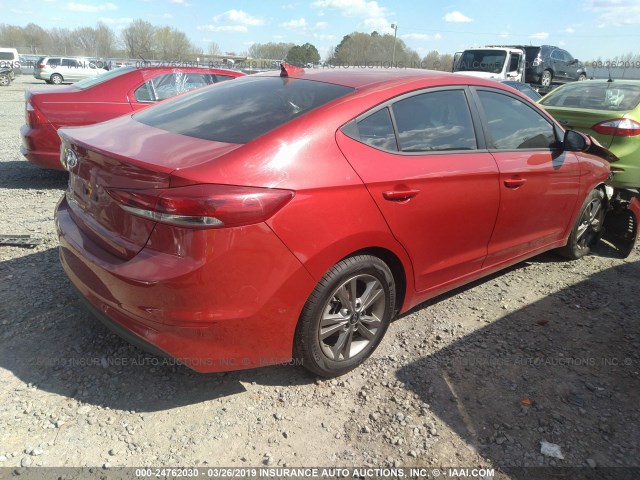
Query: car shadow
x,y
50,342
563,370
20,174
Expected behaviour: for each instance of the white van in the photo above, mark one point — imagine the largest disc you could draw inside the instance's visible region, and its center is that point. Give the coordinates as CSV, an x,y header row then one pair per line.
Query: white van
x,y
9,58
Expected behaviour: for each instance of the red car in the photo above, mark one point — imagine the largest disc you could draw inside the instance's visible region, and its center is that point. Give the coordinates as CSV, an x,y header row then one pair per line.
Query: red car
x,y
96,99
294,215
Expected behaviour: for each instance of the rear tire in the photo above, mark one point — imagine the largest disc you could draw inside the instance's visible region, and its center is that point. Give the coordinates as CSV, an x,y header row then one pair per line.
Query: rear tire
x,y
56,79
546,79
346,316
582,77
588,227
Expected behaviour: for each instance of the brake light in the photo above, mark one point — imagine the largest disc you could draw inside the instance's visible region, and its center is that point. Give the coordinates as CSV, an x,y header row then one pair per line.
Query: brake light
x,y
619,127
33,116
205,205
40,65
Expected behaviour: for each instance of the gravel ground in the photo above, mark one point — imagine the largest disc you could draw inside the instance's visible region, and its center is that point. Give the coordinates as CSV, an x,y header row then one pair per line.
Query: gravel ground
x,y
547,351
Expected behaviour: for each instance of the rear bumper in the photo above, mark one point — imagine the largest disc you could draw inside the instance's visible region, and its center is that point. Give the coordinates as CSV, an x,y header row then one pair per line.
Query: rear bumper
x,y
232,302
41,146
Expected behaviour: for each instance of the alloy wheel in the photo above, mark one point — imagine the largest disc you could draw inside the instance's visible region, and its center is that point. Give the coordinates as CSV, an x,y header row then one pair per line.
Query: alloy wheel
x,y
352,318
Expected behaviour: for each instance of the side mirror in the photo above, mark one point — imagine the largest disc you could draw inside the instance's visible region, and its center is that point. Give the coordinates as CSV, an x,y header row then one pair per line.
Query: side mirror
x,y
575,141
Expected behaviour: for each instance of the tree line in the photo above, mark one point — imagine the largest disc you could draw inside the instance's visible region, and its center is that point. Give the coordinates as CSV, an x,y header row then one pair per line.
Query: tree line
x,y
143,40
140,39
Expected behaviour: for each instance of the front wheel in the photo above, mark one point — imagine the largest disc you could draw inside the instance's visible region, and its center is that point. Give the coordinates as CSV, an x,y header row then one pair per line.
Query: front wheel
x,y
588,228
582,77
5,80
547,76
346,316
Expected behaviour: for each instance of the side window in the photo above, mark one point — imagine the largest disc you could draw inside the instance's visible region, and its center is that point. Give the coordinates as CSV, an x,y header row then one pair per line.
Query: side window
x,y
144,93
222,78
434,121
196,80
54,62
170,85
377,130
68,62
513,125
164,86
514,62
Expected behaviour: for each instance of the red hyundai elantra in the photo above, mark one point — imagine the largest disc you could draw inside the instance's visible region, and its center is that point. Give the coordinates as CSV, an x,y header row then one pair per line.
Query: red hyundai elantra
x,y
294,215
103,97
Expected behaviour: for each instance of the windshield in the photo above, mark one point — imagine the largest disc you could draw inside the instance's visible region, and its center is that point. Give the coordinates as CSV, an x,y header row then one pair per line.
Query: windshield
x,y
242,110
490,61
102,77
611,96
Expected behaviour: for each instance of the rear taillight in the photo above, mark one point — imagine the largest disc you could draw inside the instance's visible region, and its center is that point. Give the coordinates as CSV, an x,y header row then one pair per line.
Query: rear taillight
x,y
33,116
205,205
40,65
619,127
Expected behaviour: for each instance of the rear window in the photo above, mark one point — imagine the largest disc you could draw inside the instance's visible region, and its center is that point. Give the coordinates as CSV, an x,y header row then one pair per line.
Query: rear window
x,y
611,96
103,77
242,110
7,56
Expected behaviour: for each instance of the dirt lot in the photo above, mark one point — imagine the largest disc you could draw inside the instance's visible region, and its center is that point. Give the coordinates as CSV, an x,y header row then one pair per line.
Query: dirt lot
x,y
546,351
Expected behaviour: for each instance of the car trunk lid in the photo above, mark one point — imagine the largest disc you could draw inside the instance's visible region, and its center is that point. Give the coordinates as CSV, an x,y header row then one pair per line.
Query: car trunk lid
x,y
133,156
584,121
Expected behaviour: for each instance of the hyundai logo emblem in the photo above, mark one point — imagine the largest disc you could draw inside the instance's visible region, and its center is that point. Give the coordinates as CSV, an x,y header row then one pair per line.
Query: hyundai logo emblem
x,y
69,159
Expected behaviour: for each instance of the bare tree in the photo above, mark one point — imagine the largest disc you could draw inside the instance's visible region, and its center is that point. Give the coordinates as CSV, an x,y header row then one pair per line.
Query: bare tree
x,y
106,42
35,38
138,39
171,44
62,42
214,49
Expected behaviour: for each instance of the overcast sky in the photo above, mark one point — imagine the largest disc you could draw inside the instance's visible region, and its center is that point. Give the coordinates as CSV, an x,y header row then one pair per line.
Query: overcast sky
x,y
587,28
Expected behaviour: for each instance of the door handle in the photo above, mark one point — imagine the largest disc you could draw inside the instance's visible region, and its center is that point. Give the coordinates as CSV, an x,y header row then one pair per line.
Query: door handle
x,y
400,195
515,182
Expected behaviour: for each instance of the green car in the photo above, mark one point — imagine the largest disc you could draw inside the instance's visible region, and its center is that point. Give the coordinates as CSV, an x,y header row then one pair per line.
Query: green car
x,y
609,111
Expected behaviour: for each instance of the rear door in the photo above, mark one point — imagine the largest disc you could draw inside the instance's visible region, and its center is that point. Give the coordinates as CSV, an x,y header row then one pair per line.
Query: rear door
x,y
431,178
539,183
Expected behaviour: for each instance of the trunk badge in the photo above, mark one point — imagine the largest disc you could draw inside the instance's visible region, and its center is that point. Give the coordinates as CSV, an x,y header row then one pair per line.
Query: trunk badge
x,y
69,159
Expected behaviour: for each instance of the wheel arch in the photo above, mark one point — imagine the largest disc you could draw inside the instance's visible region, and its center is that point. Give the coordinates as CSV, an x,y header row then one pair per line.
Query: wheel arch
x,y
397,270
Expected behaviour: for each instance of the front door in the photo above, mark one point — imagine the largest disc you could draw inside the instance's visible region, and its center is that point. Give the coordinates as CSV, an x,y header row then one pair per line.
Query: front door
x,y
539,183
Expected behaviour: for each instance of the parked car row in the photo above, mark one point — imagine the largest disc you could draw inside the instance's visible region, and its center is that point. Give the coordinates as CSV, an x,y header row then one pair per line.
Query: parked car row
x,y
542,65
295,214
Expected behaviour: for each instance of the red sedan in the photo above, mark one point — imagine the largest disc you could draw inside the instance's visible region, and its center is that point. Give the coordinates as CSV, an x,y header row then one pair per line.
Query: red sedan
x,y
294,215
101,98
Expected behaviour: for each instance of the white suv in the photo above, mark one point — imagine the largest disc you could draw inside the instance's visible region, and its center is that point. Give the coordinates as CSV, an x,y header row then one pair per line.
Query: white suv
x,y
64,69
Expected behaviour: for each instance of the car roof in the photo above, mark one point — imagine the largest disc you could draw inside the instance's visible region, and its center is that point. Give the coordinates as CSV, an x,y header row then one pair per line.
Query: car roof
x,y
369,78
